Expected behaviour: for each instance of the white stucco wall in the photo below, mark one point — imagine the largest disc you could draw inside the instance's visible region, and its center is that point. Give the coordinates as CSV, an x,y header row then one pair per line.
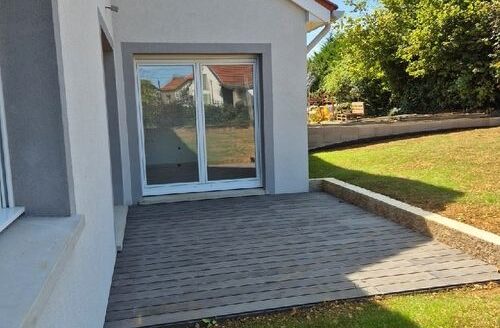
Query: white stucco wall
x,y
278,22
81,294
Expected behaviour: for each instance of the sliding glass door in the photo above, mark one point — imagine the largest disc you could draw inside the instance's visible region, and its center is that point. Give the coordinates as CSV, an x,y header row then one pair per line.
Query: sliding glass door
x,y
199,124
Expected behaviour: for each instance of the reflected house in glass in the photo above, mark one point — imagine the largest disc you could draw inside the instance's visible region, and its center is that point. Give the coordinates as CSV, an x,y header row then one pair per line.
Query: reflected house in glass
x,y
176,88
223,84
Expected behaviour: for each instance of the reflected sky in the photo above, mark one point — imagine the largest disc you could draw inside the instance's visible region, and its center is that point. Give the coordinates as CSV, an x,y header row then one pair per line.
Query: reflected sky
x,y
159,75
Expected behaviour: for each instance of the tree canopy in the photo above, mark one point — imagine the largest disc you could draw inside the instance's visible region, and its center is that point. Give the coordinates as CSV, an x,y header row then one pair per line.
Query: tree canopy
x,y
417,56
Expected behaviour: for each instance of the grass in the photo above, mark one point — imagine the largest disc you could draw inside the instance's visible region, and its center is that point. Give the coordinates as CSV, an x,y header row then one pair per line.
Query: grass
x,y
469,307
455,174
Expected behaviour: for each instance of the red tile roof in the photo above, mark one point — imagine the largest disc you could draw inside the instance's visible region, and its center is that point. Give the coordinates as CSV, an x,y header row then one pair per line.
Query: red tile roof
x,y
177,82
234,75
328,4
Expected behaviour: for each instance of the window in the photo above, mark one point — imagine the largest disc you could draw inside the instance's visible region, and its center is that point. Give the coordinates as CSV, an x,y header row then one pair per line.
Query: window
x,y
205,82
207,137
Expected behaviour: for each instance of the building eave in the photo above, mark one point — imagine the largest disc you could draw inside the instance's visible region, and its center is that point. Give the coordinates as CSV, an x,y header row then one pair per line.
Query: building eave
x,y
318,10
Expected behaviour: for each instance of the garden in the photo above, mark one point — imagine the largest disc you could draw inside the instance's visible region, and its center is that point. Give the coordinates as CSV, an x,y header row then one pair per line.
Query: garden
x,y
454,174
409,57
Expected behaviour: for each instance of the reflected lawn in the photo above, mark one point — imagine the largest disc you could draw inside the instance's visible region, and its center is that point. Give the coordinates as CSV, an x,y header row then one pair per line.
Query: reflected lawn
x,y
224,144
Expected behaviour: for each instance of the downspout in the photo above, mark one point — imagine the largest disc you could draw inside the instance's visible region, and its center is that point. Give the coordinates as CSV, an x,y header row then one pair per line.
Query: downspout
x,y
335,15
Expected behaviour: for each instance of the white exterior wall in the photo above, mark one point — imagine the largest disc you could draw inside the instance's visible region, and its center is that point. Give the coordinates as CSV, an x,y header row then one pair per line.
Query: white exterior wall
x,y
278,22
81,294
80,297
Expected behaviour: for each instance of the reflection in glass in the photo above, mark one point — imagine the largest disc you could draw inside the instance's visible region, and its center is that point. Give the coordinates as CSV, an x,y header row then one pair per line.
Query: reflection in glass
x,y
228,97
169,118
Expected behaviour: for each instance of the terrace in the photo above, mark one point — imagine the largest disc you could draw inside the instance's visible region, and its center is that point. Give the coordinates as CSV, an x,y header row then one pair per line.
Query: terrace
x,y
186,261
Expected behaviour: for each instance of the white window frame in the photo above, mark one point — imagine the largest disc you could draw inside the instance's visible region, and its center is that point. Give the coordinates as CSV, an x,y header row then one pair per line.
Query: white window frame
x,y
204,185
8,212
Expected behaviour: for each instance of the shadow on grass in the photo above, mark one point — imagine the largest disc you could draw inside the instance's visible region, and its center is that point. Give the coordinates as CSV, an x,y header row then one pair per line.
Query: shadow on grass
x,y
417,193
338,314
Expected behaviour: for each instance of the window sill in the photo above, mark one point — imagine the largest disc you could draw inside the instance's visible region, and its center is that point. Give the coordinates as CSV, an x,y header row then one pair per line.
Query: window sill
x,y
9,215
33,253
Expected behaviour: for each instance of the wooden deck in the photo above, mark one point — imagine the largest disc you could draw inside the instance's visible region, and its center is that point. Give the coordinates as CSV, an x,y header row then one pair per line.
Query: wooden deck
x,y
193,260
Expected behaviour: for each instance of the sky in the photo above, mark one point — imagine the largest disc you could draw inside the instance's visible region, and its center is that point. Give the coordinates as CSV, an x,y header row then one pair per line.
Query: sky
x,y
163,74
348,11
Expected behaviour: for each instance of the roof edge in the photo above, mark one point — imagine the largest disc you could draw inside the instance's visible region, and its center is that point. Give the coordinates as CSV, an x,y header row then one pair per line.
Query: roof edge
x,y
328,5
321,10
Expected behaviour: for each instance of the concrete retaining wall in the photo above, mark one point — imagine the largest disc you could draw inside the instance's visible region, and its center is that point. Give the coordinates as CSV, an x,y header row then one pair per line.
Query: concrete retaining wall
x,y
476,242
329,135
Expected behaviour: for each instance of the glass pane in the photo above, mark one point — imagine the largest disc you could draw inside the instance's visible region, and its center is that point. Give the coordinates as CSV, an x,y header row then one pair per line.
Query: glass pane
x,y
228,94
169,118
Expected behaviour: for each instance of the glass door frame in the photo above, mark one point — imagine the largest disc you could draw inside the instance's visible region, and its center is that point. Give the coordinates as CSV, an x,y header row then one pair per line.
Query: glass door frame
x,y
203,185
6,189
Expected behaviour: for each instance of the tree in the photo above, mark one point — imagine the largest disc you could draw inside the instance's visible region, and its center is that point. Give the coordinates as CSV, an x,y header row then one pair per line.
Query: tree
x,y
318,65
417,55
450,44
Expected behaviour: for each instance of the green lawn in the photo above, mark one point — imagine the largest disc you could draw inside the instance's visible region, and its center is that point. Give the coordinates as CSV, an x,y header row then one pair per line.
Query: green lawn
x,y
454,174
469,307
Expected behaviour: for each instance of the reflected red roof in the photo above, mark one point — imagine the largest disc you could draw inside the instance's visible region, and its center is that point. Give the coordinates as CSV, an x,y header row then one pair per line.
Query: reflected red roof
x,y
177,82
234,75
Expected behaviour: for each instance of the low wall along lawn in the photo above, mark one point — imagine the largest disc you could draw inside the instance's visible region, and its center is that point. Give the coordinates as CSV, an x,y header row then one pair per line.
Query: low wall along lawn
x,y
337,134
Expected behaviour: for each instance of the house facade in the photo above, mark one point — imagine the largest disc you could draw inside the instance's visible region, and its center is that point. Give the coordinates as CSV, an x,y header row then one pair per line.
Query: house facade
x,y
104,104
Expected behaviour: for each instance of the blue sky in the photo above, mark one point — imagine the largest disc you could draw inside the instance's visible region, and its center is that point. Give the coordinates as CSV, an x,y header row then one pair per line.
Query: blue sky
x,y
348,11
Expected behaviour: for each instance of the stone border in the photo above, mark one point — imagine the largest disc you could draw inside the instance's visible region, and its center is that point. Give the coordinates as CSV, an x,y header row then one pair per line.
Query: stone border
x,y
476,242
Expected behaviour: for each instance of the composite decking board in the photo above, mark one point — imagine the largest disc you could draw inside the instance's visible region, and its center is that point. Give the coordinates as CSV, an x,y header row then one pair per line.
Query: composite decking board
x,y
254,267
178,287
299,246
350,248
284,230
187,259
365,221
173,236
231,309
185,279
277,243
268,244
271,238
286,265
260,306
179,303
253,285
237,217
192,260
201,215
303,259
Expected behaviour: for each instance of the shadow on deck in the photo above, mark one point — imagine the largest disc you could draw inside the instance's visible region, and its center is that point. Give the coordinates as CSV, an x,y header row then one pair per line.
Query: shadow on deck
x,y
187,261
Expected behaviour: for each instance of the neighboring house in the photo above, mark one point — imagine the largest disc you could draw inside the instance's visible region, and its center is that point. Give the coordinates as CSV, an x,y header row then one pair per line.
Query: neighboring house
x,y
74,149
176,87
220,85
228,85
